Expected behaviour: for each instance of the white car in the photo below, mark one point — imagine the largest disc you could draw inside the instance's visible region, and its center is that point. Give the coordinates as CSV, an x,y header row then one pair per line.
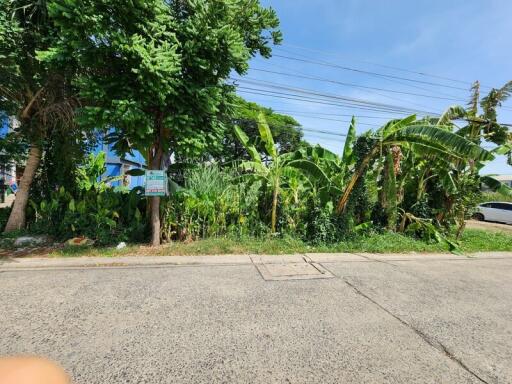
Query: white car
x,y
495,211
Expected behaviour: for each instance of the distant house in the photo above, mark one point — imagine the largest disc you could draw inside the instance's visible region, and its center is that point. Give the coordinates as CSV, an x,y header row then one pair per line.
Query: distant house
x,y
119,166
7,171
505,179
116,166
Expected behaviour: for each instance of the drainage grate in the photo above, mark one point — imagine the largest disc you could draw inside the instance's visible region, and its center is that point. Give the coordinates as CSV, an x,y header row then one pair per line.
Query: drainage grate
x,y
297,270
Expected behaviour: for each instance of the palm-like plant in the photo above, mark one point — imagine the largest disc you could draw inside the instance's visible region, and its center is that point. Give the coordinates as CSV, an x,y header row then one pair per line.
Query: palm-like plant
x,y
485,126
336,168
41,97
273,172
417,136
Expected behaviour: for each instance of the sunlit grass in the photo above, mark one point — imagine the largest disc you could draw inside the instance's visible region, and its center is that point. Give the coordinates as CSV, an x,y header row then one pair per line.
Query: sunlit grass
x,y
473,240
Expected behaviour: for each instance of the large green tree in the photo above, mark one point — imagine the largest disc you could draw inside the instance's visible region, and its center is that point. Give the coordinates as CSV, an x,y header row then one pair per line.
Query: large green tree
x,y
37,93
155,70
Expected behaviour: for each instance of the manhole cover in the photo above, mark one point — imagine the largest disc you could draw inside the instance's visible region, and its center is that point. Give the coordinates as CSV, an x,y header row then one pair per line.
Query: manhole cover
x,y
292,271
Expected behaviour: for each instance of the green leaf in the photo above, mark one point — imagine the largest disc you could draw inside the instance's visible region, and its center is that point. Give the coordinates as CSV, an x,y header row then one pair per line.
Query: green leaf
x,y
174,187
244,140
504,149
452,113
255,166
441,139
395,125
497,186
266,135
310,170
348,157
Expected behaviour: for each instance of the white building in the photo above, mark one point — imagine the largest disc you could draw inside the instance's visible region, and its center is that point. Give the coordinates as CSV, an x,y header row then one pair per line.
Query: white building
x,y
505,179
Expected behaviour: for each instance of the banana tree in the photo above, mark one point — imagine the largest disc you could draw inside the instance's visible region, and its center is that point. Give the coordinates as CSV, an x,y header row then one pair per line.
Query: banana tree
x,y
460,180
273,172
413,135
483,127
336,168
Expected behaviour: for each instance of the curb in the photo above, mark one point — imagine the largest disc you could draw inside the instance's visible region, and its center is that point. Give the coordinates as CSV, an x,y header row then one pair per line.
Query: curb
x,y
39,263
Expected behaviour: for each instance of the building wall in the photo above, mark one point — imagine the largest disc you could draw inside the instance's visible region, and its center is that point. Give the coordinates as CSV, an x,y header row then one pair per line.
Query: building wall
x,y
4,125
7,172
118,166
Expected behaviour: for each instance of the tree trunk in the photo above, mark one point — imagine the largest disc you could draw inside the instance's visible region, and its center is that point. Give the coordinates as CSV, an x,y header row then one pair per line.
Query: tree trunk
x,y
355,177
154,206
17,218
155,163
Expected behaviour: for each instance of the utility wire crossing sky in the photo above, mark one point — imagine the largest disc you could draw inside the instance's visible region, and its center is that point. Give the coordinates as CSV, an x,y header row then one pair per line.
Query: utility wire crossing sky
x,y
380,60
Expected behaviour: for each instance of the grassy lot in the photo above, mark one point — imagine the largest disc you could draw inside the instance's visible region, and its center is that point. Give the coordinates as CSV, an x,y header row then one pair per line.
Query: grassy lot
x,y
472,241
493,196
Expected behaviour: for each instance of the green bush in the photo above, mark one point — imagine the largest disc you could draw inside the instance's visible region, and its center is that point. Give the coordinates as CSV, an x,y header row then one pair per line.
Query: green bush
x,y
213,203
4,216
107,216
95,210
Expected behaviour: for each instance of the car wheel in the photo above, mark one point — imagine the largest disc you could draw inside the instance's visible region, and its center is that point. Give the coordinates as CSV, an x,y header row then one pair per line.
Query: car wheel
x,y
478,216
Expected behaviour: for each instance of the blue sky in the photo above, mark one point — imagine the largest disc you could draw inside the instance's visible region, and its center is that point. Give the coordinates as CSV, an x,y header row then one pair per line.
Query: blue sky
x,y
462,40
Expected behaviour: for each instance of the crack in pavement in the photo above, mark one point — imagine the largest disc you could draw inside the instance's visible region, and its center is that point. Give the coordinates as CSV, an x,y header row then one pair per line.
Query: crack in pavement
x,y
430,341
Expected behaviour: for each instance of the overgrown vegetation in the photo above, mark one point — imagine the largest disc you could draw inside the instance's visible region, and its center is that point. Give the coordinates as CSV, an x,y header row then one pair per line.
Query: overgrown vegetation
x,y
95,210
155,79
472,241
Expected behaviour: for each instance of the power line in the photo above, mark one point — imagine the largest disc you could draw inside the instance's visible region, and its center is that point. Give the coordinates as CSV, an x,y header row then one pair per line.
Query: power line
x,y
394,81
338,121
327,64
343,121
288,96
389,77
341,105
390,66
330,114
324,132
287,70
280,95
318,96
354,85
273,85
403,70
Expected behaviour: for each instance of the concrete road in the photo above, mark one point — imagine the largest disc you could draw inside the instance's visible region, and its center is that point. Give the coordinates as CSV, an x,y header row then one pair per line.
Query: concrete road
x,y
379,319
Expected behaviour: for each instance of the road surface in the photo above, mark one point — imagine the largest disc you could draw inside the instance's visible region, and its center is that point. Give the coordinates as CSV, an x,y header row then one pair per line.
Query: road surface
x,y
240,319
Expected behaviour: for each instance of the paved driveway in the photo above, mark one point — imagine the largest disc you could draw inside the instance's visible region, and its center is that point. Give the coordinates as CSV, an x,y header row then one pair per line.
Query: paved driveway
x,y
378,319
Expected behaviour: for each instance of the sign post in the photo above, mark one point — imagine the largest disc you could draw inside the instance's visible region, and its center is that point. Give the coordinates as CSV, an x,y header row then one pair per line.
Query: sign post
x,y
156,183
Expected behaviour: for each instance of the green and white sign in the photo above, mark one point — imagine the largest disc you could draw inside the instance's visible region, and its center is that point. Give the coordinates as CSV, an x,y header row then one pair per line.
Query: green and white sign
x,y
156,183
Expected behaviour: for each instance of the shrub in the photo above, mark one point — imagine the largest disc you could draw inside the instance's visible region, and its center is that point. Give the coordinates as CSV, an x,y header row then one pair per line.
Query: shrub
x,y
213,202
107,216
95,210
4,216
